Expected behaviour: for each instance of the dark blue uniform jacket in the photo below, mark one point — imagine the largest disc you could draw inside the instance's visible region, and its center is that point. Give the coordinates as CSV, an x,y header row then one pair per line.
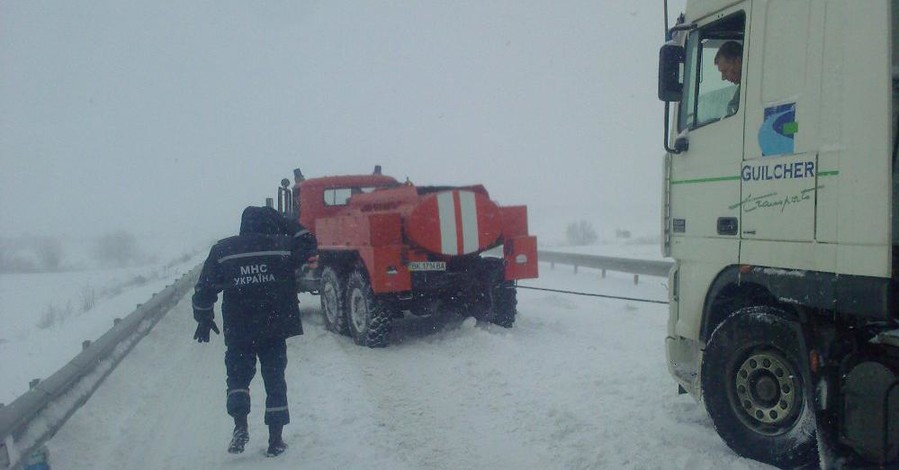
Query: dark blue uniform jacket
x,y
255,272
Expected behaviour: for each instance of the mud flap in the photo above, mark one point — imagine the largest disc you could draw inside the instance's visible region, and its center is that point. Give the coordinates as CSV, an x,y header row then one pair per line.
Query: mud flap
x,y
817,387
871,412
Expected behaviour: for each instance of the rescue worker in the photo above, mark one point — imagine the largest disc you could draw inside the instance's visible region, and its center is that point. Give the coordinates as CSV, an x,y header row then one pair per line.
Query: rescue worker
x,y
259,312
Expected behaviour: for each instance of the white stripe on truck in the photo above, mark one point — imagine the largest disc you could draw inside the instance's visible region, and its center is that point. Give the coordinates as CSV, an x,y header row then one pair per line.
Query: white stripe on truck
x,y
469,222
446,212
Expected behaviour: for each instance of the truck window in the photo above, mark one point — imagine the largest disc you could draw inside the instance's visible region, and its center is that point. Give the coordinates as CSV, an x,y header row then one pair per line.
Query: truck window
x,y
341,196
337,197
712,72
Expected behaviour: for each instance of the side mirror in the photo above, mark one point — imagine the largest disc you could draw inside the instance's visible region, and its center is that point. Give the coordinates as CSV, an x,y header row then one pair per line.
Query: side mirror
x,y
671,61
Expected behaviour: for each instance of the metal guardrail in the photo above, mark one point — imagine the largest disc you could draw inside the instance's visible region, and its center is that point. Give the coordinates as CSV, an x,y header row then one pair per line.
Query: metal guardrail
x,y
34,417
636,267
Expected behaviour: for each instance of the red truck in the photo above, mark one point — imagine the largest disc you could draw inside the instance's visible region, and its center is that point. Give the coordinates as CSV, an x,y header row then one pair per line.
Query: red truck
x,y
386,247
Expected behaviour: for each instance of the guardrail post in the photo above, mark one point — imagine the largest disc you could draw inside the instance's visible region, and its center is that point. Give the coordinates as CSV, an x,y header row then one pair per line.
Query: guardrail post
x,y
85,344
636,279
603,273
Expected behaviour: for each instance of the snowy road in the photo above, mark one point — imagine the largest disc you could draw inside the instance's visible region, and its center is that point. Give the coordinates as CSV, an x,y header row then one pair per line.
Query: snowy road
x,y
578,383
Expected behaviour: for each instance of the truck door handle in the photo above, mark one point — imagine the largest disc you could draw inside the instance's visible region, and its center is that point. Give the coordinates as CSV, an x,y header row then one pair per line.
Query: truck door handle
x,y
727,226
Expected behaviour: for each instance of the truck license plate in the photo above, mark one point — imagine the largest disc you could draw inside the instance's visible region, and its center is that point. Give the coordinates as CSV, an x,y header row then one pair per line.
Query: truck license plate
x,y
427,266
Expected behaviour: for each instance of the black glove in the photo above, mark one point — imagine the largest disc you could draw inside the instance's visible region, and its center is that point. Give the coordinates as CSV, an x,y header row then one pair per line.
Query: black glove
x,y
203,327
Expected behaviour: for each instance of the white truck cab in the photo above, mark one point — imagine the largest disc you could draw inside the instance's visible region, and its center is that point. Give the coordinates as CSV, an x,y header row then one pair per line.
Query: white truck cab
x,y
778,209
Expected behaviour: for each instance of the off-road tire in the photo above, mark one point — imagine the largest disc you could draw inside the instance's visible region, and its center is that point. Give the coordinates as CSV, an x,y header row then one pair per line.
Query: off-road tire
x,y
753,387
333,301
369,318
503,304
497,301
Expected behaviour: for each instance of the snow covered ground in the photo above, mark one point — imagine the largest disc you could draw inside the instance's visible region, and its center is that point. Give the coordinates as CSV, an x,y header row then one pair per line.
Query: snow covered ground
x,y
44,317
579,382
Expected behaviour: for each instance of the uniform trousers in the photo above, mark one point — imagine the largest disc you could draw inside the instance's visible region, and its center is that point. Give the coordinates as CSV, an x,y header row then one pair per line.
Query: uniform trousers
x,y
240,364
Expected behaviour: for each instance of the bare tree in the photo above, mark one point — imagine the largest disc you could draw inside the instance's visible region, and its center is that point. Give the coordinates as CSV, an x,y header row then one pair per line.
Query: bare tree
x,y
49,252
117,248
12,259
580,233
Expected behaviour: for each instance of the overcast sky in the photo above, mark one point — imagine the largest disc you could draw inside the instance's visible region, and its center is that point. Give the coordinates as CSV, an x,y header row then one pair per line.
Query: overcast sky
x,y
168,117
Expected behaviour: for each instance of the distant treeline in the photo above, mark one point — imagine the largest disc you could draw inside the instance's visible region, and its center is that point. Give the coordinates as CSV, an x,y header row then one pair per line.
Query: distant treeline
x,y
35,254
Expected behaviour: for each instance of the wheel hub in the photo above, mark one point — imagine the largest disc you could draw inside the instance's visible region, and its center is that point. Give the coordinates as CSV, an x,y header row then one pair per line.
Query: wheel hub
x,y
330,297
766,389
358,310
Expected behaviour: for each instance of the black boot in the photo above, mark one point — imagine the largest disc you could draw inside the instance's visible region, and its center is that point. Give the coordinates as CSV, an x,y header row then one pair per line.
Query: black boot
x,y
240,436
276,445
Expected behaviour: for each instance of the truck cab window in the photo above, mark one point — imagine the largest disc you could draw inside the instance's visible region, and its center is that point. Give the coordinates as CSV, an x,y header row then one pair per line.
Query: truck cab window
x,y
338,196
713,72
341,196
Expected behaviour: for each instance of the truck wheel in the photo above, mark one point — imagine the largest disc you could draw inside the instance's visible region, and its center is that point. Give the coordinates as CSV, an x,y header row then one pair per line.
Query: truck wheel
x,y
369,318
333,298
497,304
503,304
496,301
753,389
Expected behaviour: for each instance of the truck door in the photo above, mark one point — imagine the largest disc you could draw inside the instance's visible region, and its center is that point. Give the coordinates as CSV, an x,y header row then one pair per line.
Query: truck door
x,y
779,176
816,176
704,180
